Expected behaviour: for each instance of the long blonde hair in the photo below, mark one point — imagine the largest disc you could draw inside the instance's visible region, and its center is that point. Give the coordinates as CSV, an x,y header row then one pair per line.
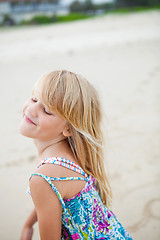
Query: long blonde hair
x,y
76,100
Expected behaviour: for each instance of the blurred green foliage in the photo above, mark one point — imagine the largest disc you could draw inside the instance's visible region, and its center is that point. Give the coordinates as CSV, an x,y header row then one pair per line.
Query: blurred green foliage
x,y
88,6
133,9
39,19
7,20
118,5
76,6
129,3
83,10
72,17
43,19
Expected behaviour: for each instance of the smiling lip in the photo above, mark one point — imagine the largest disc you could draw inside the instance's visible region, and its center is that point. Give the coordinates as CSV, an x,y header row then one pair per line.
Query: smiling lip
x,y
29,120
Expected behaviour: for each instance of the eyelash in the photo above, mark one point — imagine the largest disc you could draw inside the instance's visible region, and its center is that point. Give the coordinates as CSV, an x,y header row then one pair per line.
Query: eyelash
x,y
35,100
47,112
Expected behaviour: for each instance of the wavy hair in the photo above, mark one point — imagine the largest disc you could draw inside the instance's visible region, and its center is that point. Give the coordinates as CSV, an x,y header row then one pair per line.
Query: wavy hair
x,y
72,97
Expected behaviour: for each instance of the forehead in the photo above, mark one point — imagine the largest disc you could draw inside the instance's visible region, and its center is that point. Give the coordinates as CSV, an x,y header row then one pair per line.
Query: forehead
x,y
45,96
38,94
51,91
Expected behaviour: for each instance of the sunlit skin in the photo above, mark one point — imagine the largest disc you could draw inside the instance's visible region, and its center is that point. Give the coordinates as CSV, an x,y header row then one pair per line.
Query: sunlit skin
x,y
46,128
40,123
49,132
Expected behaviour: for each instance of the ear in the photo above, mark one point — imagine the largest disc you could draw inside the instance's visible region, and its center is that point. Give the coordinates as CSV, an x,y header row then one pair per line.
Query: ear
x,y
67,132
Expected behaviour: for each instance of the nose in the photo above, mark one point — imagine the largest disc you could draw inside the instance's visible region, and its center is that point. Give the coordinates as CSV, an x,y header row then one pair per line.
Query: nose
x,y
33,109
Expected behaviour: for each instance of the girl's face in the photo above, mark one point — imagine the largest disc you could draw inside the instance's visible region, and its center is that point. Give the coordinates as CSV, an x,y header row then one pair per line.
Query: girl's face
x,y
39,123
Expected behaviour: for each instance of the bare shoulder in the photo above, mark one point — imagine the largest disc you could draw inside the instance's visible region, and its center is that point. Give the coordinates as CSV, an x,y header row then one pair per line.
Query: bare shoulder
x,y
68,188
40,189
48,208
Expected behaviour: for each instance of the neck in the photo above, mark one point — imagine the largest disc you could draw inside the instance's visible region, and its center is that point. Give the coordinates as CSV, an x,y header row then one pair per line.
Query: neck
x,y
47,149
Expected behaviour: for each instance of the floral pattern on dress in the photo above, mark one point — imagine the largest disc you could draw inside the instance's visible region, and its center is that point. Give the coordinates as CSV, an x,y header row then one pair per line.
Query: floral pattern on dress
x,y
84,216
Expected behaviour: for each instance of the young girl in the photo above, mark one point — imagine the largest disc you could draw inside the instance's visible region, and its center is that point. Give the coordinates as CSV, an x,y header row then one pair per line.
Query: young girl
x,y
69,187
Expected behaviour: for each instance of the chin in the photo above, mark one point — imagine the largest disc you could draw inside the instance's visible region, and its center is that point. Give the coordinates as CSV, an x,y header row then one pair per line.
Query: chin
x,y
23,131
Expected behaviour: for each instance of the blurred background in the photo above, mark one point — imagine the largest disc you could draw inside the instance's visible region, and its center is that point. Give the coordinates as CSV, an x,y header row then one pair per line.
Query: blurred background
x,y
115,44
29,12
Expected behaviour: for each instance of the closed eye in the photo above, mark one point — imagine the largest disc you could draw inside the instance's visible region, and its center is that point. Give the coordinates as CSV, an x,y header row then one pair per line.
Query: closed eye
x,y
47,112
44,108
34,99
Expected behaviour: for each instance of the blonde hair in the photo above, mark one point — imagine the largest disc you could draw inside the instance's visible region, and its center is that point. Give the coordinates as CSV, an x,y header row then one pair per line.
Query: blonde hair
x,y
75,99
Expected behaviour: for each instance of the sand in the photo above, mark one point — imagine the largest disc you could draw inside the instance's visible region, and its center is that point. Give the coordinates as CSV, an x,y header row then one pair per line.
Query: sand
x,y
120,55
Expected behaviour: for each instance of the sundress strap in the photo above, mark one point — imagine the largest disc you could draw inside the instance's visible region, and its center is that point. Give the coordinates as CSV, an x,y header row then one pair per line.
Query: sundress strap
x,y
54,188
64,163
67,178
49,180
72,166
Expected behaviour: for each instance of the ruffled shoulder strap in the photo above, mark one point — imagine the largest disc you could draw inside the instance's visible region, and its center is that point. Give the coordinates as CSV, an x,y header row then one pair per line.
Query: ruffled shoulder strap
x,y
64,163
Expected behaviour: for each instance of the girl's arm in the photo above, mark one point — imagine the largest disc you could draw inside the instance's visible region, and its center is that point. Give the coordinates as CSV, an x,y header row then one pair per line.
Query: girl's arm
x,y
48,209
27,230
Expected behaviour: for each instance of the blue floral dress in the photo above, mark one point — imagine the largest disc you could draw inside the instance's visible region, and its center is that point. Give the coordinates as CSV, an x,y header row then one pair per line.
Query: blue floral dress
x,y
84,216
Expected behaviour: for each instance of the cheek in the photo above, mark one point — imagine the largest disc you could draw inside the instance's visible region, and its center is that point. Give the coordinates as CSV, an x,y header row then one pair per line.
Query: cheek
x,y
53,128
25,106
22,127
23,110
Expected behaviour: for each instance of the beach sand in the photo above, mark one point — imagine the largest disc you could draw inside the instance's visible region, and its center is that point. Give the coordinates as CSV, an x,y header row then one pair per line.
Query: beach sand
x,y
120,55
